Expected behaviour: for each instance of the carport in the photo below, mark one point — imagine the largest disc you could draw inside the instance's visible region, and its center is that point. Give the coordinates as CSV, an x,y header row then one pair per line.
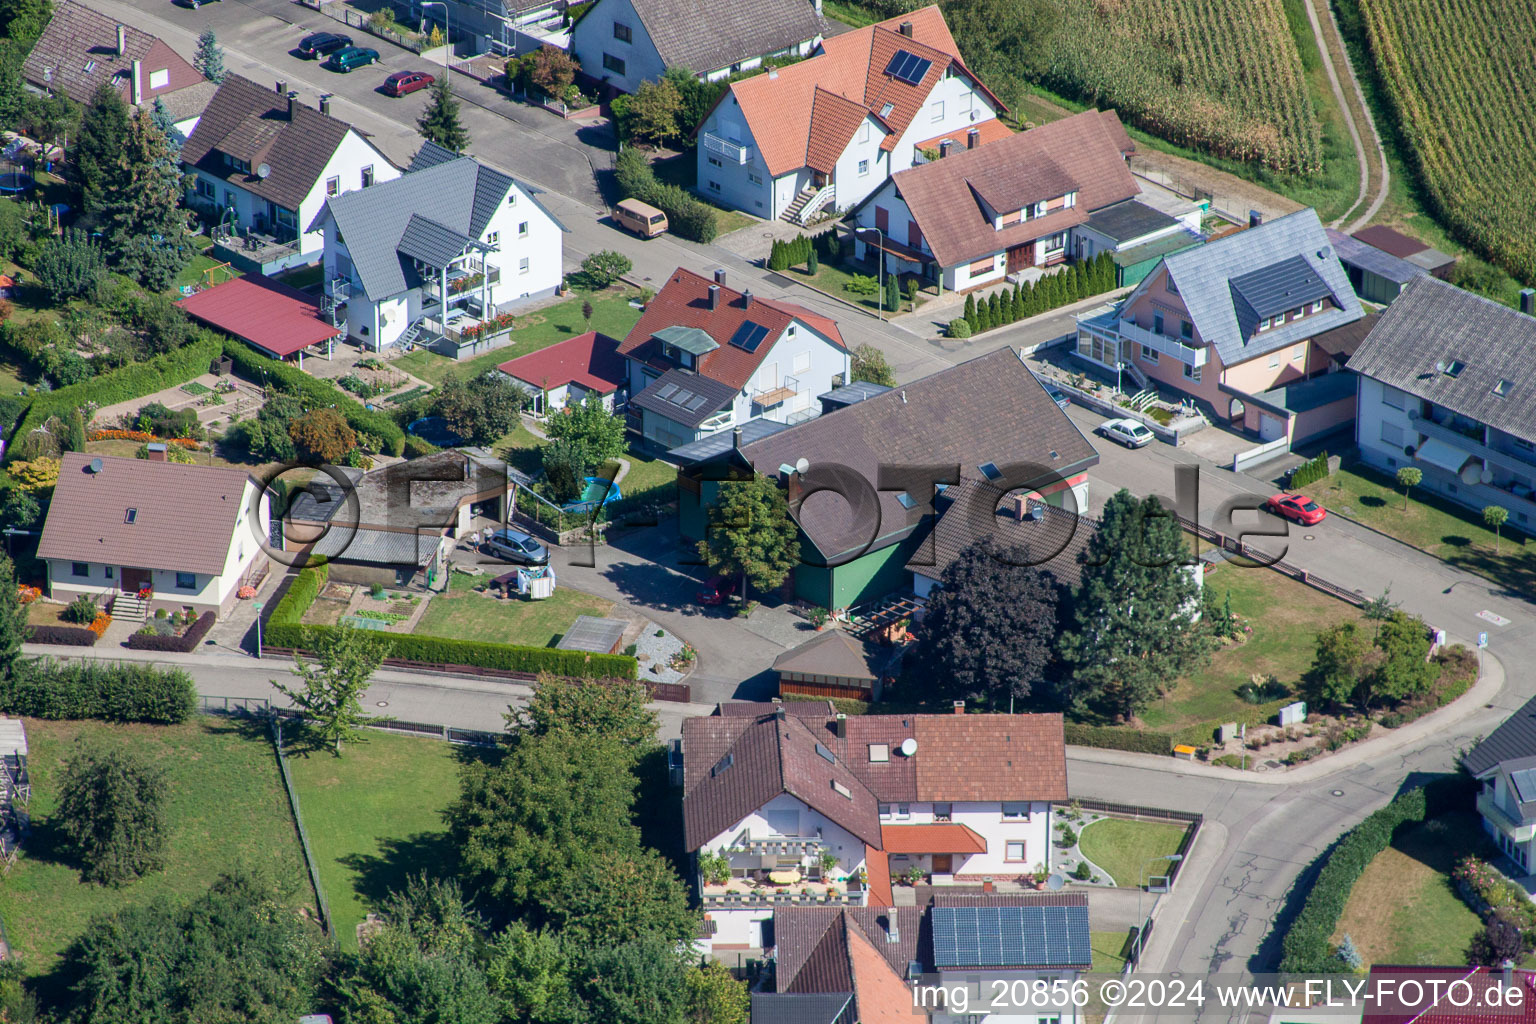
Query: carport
x,y
274,318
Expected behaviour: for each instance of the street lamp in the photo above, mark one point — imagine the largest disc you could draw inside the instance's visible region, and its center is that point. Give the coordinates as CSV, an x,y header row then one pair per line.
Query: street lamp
x,y
448,39
257,605
879,273
1141,922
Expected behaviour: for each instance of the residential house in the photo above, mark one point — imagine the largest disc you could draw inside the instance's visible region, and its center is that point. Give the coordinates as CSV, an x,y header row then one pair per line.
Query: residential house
x,y
428,257
1406,247
705,358
1231,325
566,373
1414,994
623,43
395,526
1137,235
826,132
1504,765
501,27
183,536
841,965
1447,385
1047,537
1376,275
81,50
262,162
974,217
812,803
886,457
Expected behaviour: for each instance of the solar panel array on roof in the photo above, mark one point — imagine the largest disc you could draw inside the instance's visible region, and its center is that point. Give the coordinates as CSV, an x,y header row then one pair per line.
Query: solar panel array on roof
x,y
908,67
749,335
1010,936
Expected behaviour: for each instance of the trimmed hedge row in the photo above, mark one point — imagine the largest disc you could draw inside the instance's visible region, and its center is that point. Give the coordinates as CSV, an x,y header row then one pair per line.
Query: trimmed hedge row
x,y
1306,947
184,644
67,636
687,217
1310,472
253,365
284,629
1110,738
136,380
116,692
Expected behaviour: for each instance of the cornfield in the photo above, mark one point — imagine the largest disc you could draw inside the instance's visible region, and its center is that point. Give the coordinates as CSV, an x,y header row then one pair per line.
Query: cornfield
x,y
1462,77
1221,76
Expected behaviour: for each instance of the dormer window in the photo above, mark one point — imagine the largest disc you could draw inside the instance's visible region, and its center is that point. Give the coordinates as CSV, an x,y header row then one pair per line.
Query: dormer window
x,y
240,165
885,111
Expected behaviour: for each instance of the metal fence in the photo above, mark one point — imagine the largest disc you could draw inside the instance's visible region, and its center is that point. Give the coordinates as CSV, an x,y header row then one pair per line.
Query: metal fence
x,y
216,705
1192,820
321,903
1237,547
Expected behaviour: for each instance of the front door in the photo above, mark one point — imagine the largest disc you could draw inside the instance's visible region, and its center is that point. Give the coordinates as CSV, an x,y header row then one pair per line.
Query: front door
x,y
1021,256
135,580
943,863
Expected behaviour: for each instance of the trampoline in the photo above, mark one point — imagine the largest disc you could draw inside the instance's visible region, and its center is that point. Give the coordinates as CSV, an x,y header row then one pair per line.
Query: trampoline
x,y
13,174
433,430
597,492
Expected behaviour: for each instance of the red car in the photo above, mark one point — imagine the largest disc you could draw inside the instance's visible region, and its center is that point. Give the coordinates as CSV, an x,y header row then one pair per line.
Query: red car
x,y
402,83
1297,507
718,590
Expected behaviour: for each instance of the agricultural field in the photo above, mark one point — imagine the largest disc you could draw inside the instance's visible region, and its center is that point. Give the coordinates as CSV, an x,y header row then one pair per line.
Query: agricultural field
x,y
1466,128
1221,76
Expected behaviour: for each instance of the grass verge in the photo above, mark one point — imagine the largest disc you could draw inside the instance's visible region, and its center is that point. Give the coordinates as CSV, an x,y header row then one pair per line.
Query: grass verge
x,y
1123,847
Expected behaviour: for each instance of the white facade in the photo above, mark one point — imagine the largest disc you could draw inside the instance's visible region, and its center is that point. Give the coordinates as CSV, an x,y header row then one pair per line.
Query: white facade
x,y
174,589
996,996
1017,837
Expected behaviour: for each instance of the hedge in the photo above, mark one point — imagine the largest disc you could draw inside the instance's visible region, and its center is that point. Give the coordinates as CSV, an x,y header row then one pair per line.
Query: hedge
x,y
1136,740
67,636
687,217
1306,946
184,644
284,629
253,365
1310,472
115,692
136,380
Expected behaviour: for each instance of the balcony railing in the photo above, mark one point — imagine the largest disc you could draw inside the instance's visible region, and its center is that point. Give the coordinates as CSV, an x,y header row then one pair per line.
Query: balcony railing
x,y
339,289
1193,355
1490,809
735,152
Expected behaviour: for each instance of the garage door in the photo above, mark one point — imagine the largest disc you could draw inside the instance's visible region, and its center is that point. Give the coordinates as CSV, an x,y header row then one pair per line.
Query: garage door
x,y
1271,428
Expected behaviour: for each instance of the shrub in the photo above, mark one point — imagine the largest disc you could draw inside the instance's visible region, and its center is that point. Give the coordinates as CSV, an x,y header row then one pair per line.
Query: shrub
x,y
601,269
376,591
64,636
1310,472
1082,872
149,639
959,328
862,284
686,216
1113,738
81,611
416,447
115,692
316,392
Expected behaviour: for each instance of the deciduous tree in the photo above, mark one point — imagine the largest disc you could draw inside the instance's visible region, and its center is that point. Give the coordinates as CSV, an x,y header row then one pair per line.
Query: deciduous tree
x,y
654,113
638,982
329,690
480,408
112,810
322,435
590,424
1341,659
869,364
613,710
1408,478
715,997
1494,517
750,534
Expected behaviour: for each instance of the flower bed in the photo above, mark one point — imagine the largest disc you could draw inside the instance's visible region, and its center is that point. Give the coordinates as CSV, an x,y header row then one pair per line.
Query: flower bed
x,y
142,436
183,644
1487,889
26,594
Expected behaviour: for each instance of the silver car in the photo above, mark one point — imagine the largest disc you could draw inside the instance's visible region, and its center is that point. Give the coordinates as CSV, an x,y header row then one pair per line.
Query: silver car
x,y
1127,432
516,546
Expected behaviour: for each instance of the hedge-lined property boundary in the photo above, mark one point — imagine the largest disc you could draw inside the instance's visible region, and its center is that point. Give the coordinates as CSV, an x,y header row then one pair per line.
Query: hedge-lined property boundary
x,y
283,629
1306,946
64,636
254,366
184,644
1135,740
113,691
1310,472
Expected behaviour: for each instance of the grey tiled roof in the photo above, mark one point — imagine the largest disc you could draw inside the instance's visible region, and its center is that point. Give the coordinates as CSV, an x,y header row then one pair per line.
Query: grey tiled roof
x,y
1511,741
800,1007
377,547
1276,288
1355,253
704,35
1054,544
717,443
685,397
437,244
851,394
1205,274
1433,322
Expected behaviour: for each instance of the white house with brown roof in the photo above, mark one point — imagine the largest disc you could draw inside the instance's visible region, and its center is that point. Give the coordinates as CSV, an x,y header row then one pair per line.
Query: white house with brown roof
x,y
191,535
826,132
973,217
803,803
263,162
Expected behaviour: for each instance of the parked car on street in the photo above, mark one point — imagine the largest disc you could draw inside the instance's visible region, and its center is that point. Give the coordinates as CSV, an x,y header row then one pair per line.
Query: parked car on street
x,y
322,44
718,590
403,83
641,218
516,546
352,57
1298,508
1057,395
1127,432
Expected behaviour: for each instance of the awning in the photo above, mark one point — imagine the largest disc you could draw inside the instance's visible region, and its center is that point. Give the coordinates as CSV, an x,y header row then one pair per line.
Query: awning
x,y
1438,453
931,839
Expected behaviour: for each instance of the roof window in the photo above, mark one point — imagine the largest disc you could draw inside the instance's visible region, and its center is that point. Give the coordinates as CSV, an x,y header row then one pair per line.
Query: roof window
x,y
907,501
885,111
990,471
1453,368
131,516
879,753
722,764
825,754
841,789
1503,387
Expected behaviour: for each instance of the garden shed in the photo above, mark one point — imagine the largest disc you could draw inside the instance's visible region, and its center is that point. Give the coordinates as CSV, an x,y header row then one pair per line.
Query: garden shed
x,y
834,664
595,635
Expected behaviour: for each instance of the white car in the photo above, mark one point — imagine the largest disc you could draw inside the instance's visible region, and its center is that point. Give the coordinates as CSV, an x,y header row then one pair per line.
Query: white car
x,y
1127,432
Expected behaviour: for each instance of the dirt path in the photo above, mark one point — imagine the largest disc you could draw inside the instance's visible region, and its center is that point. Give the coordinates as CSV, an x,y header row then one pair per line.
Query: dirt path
x,y
1374,176
1231,196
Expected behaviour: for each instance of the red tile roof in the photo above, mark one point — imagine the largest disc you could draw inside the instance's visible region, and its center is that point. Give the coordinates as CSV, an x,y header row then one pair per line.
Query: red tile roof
x,y
834,119
268,314
1389,979
936,838
591,360
879,993
684,302
990,130
878,868
991,757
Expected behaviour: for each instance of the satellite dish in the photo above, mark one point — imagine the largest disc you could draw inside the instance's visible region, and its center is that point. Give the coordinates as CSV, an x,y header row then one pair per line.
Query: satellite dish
x,y
1440,366
802,466
95,465
262,170
908,746
1055,883
1486,476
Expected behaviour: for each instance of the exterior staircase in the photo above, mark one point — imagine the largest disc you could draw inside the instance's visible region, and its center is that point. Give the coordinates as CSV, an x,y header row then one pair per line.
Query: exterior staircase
x,y
410,334
792,213
130,607
1134,372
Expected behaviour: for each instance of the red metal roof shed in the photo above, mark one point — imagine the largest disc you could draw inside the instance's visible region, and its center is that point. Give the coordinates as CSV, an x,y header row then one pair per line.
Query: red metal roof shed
x,y
272,316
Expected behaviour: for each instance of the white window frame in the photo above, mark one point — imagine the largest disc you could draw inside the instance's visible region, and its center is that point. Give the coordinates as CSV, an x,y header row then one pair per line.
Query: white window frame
x,y
522,265
863,168
493,238
1148,354
186,586
938,111
1299,352
160,79
1015,814
333,186
1008,848
522,229
1274,360
366,176
903,812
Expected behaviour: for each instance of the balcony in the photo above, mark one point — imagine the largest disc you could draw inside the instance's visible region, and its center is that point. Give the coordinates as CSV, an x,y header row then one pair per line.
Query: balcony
x,y
733,152
1490,809
744,894
1193,355
338,289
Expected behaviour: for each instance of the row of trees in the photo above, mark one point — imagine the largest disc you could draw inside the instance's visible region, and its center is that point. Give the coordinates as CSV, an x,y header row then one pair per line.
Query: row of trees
x,y
1081,280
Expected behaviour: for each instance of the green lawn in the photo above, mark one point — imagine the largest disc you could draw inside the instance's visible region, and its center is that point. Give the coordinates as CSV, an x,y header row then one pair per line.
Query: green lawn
x,y
834,280
611,314
374,816
521,450
1123,847
465,615
849,13
10,378
227,808
1109,951
1404,909
1443,529
193,272
1286,617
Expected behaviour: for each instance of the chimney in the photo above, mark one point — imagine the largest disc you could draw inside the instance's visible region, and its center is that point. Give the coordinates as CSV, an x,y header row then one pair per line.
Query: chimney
x,y
1255,218
156,451
720,276
778,712
746,298
293,104
973,138
841,726
1528,301
773,73
736,438
959,707
137,86
1021,507
944,148
122,39
818,7
282,87
986,884
906,29
714,296
1508,980
325,103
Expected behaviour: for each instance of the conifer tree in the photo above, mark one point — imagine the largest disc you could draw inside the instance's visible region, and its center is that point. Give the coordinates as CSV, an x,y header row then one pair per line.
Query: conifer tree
x,y
440,121
209,59
970,312
141,219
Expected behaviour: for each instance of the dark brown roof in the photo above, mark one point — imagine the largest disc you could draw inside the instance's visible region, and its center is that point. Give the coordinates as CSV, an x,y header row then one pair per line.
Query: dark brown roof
x,y
251,123
1053,544
1341,342
833,653
77,53
1390,240
186,517
986,410
702,35
799,932
1079,153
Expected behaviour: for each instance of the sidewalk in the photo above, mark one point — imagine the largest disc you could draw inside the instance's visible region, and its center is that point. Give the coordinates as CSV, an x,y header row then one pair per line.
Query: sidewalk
x,y
1382,741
